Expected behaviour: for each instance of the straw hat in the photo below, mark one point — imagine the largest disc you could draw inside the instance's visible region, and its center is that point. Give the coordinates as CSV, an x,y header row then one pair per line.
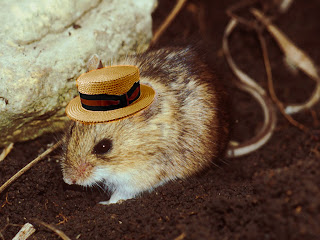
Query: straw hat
x,y
109,94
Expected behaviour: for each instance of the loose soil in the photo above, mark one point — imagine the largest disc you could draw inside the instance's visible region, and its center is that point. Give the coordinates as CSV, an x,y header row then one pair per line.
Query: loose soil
x,y
273,193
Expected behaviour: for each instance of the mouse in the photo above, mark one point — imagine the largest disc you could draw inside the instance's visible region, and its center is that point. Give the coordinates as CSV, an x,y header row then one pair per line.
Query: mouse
x,y
182,132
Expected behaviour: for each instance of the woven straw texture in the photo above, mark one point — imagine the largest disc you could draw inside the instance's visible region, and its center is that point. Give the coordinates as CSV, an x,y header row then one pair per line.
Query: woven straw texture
x,y
113,80
76,112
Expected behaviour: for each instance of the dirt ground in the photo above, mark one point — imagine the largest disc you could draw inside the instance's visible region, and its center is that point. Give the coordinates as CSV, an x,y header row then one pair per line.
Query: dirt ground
x,y
273,193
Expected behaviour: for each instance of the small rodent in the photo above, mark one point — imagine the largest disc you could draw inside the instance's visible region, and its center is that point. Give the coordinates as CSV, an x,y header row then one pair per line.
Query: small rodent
x,y
179,134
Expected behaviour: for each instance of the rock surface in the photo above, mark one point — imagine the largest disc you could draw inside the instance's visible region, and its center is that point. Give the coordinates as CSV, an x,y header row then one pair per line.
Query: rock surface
x,y
44,47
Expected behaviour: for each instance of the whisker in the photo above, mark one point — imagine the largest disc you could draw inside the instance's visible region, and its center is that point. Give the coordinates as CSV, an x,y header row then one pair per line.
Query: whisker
x,y
97,184
224,161
216,165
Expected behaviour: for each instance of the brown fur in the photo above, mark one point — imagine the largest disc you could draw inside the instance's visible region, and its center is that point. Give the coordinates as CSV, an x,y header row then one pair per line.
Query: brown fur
x,y
177,136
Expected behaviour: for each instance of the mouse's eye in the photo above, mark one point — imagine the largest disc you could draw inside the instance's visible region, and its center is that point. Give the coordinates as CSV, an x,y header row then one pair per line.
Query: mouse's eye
x,y
103,146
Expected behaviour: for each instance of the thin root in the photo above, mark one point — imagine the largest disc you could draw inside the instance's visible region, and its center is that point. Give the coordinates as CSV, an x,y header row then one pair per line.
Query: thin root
x,y
64,219
8,224
292,53
230,12
249,85
316,122
6,201
296,56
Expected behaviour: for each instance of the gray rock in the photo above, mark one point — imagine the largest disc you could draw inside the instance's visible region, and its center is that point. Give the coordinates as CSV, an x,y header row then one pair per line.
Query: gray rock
x,y
44,47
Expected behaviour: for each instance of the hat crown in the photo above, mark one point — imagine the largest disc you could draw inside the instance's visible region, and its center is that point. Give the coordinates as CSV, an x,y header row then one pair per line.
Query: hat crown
x,y
109,94
113,80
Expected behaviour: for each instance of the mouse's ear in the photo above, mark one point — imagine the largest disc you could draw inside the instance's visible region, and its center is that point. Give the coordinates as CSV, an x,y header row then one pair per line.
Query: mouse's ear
x,y
94,62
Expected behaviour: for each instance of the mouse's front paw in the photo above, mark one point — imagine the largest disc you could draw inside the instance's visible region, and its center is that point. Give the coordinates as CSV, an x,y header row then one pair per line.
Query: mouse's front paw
x,y
109,202
117,197
104,203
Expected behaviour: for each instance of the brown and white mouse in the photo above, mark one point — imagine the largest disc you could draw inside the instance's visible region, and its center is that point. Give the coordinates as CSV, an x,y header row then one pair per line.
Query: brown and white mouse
x,y
179,134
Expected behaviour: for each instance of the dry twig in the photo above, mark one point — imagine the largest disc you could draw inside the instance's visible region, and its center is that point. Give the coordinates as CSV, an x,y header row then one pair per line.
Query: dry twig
x,y
271,88
285,5
6,151
177,8
52,228
29,165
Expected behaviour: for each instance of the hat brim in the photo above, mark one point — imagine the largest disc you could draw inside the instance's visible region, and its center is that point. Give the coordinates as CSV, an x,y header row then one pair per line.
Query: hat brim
x,y
76,112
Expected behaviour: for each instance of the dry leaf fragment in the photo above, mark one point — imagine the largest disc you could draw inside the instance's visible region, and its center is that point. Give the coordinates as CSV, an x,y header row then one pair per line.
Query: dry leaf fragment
x,y
26,231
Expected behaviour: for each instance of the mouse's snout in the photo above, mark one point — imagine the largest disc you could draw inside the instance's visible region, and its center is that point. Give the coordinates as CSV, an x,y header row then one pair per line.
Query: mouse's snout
x,y
69,180
83,169
78,174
